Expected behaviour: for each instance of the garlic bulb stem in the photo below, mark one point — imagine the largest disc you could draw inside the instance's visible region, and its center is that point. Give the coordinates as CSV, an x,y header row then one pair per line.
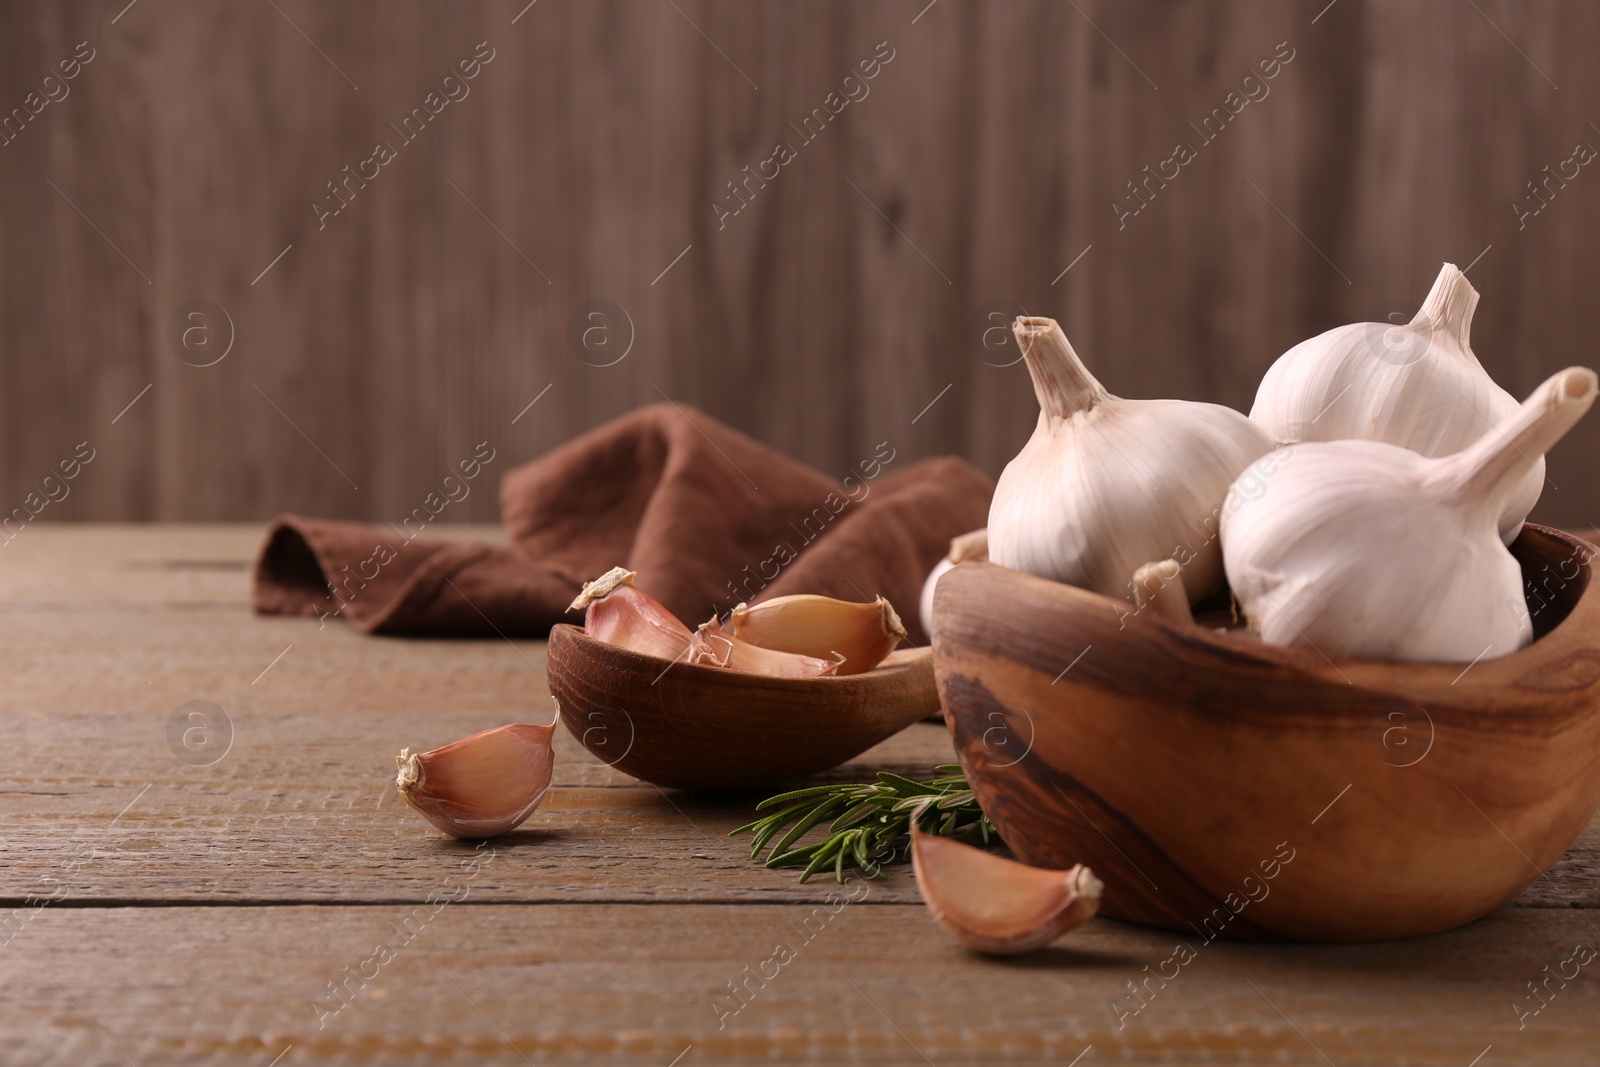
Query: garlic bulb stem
x,y
1062,383
1449,307
1159,586
974,545
1490,471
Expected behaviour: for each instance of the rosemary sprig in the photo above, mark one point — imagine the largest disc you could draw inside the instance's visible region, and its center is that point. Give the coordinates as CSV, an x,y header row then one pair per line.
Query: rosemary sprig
x,y
870,822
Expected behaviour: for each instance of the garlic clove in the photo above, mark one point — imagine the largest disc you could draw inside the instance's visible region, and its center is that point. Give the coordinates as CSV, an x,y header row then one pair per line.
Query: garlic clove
x,y
1159,586
974,545
714,646
481,786
995,905
1370,549
621,615
822,628
1106,484
1416,385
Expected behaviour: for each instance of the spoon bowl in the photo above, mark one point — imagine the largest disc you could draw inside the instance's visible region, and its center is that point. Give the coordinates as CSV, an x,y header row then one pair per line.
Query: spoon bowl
x,y
707,728
1223,787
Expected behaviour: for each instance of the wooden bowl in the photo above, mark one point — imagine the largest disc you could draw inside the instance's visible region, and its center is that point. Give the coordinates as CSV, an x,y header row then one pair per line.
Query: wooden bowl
x,y
695,727
1225,788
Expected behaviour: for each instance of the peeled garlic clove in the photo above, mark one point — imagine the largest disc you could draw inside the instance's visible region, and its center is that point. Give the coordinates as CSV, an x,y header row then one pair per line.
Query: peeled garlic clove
x,y
1372,550
1159,587
1107,484
857,635
1416,385
995,905
974,545
480,786
715,647
621,615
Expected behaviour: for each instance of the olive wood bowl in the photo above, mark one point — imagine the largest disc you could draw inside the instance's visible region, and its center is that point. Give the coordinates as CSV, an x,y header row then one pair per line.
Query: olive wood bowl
x,y
706,728
1223,787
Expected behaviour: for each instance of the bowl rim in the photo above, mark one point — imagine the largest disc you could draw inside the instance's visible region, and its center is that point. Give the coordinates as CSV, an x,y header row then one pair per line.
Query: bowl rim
x,y
643,662
1360,671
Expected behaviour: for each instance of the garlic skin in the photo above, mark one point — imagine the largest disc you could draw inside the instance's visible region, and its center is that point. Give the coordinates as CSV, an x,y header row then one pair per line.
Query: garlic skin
x,y
974,545
481,786
618,614
821,627
1106,484
1417,386
713,646
998,906
1159,587
1370,549
925,602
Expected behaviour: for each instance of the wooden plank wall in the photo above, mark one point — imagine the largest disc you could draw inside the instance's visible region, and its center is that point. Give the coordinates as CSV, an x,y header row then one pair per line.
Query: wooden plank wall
x,y
585,159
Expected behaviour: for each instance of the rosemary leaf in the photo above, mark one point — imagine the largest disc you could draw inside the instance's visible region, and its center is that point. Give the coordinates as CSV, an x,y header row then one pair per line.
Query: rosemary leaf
x,y
820,859
798,794
907,787
874,824
816,815
854,815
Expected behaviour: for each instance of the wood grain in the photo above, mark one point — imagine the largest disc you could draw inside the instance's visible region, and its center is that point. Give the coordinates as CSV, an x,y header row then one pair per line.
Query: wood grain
x,y
629,984
823,318
699,727
200,920
1204,775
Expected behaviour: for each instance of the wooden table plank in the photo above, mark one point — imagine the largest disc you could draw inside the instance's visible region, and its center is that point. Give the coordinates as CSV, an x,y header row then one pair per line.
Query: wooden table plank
x,y
304,810
605,931
261,825
641,984
254,825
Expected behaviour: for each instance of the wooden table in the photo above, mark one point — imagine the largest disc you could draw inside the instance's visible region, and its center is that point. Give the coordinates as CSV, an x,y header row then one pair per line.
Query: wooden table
x,y
272,905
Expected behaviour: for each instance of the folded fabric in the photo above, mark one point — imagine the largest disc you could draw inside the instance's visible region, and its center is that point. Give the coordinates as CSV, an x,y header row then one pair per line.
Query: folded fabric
x,y
707,517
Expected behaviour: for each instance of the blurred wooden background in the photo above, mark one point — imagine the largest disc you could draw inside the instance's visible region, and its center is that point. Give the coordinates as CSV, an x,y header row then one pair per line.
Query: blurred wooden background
x,y
828,314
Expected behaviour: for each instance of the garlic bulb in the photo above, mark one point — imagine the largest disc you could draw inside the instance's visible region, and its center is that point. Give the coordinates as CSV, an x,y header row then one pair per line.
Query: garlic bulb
x,y
974,545
1370,549
1417,386
1106,485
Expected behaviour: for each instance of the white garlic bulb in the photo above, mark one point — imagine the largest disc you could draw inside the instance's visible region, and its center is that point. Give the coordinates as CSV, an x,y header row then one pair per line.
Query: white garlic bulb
x,y
1417,386
1369,549
1105,484
974,545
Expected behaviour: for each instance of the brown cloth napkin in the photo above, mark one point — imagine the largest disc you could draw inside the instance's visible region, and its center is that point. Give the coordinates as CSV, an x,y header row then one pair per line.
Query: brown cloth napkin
x,y
707,517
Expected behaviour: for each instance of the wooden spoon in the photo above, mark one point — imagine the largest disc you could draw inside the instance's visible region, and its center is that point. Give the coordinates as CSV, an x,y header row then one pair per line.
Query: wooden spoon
x,y
697,727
